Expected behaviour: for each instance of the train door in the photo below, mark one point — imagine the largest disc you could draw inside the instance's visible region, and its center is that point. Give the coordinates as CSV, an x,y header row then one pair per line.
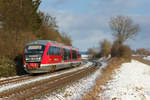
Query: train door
x,y
62,55
54,54
49,53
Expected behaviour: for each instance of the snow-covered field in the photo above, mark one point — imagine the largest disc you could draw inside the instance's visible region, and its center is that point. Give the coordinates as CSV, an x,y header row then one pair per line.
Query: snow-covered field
x,y
130,82
147,58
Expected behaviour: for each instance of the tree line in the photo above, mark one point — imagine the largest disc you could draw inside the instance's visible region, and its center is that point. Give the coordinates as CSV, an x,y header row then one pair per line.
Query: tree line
x,y
21,22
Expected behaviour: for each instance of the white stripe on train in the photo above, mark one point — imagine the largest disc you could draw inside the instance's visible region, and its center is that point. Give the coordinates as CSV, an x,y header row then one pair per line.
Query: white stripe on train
x,y
59,63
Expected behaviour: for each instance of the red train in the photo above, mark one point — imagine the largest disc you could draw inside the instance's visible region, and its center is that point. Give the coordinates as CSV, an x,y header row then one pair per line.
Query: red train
x,y
47,56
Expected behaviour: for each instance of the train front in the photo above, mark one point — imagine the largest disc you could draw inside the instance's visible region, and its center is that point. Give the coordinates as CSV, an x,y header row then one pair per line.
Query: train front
x,y
32,58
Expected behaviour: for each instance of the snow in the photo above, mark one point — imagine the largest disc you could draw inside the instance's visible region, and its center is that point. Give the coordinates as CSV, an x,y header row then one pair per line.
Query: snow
x,y
10,86
76,90
130,82
104,59
147,58
84,55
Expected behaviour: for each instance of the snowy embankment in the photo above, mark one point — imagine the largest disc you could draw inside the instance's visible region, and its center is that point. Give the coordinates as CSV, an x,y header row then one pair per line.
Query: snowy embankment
x,y
76,90
130,82
147,58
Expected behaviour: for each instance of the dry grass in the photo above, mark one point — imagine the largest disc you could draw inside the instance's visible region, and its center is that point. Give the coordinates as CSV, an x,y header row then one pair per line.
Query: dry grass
x,y
105,77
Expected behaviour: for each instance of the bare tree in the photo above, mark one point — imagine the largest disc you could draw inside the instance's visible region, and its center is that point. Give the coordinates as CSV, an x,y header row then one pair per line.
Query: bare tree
x,y
123,28
66,39
93,52
90,51
48,20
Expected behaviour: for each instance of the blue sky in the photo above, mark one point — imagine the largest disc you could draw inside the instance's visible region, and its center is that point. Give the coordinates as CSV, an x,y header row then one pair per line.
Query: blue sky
x,y
87,21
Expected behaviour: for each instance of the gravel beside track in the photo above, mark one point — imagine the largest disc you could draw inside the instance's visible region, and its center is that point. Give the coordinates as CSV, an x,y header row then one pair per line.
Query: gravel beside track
x,y
33,89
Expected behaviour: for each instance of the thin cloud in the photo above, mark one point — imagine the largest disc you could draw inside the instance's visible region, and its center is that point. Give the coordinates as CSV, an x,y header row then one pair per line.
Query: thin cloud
x,y
90,27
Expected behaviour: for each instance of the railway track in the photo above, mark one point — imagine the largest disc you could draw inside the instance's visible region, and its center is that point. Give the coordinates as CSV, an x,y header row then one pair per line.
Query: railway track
x,y
18,79
14,80
35,88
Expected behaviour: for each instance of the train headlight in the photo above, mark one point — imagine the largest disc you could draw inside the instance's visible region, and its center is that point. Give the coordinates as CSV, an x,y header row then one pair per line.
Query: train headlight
x,y
39,58
27,58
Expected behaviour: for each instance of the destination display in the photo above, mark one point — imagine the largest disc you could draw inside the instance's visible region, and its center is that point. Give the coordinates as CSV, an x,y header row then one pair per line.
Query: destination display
x,y
35,47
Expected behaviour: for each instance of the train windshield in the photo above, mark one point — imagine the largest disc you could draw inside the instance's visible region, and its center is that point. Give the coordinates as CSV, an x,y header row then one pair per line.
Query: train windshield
x,y
34,49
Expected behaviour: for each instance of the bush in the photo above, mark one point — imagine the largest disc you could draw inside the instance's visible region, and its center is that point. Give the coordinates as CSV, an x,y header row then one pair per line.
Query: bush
x,y
125,52
121,51
115,49
105,48
7,67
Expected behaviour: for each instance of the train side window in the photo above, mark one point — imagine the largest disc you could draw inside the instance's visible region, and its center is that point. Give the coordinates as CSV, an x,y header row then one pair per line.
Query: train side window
x,y
69,51
69,54
62,53
74,54
58,50
55,51
65,54
51,50
79,55
48,52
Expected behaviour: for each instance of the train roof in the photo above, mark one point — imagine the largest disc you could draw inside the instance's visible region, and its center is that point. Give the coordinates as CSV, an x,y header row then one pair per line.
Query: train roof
x,y
44,42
